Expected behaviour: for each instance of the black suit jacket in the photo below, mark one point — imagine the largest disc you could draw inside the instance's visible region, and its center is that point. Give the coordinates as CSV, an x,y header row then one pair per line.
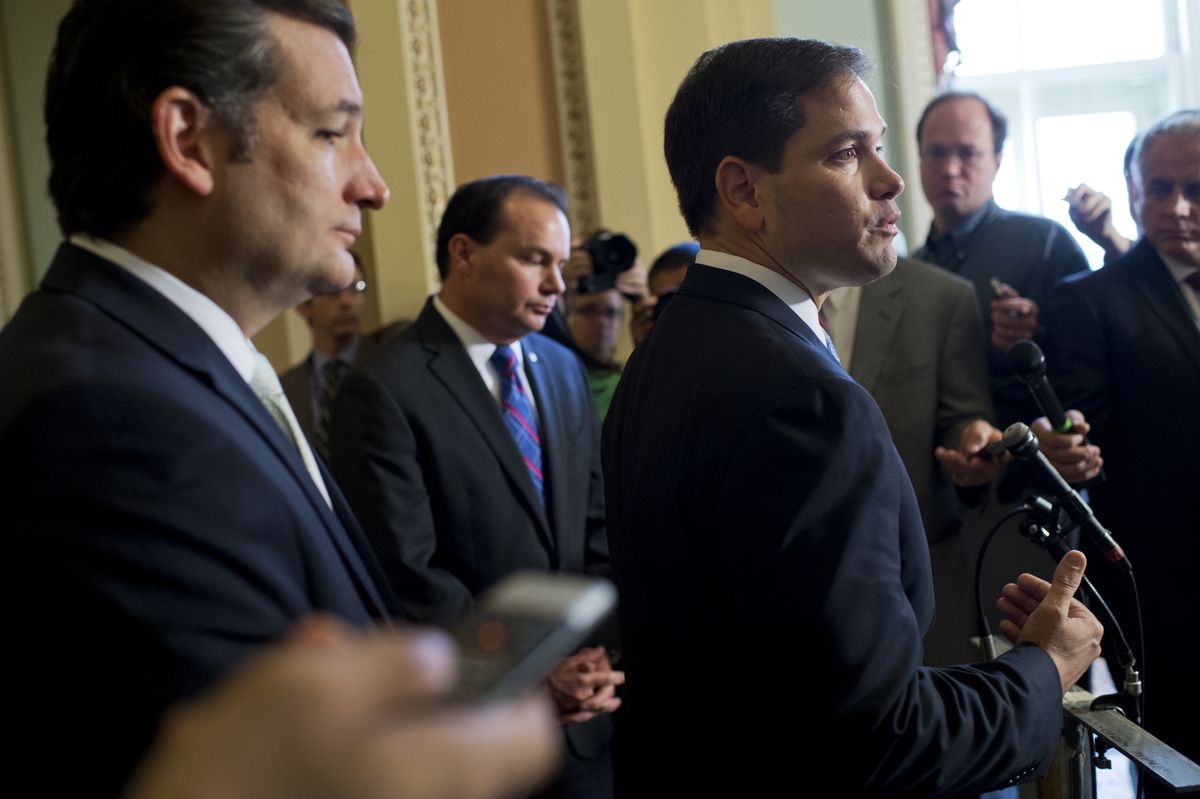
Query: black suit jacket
x,y
1123,347
419,446
775,580
159,525
297,381
421,450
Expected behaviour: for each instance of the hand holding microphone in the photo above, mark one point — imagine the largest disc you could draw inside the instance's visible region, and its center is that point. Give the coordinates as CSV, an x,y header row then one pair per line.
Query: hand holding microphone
x,y
1061,434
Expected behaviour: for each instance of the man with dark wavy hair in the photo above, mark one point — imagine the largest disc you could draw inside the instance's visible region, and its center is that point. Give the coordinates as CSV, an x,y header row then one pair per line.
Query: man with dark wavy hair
x,y
163,513
756,505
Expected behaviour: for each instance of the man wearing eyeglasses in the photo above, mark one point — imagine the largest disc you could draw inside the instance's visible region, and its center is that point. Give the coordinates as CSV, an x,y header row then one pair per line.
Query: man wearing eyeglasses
x,y
335,318
961,136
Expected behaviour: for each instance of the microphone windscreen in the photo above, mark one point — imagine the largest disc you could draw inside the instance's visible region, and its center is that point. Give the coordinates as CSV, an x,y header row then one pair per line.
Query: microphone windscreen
x,y
1015,435
1027,360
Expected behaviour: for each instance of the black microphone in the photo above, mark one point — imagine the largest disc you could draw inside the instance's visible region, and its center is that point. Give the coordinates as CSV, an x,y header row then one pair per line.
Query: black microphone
x,y
1029,365
1021,442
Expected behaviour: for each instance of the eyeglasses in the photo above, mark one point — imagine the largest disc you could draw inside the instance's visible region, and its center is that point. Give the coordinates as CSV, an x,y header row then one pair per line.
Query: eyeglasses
x,y
357,287
938,154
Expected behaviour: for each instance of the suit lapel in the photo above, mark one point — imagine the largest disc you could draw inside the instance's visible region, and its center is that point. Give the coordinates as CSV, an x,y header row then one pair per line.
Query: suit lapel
x,y
454,369
722,285
879,313
173,333
367,572
1162,294
546,392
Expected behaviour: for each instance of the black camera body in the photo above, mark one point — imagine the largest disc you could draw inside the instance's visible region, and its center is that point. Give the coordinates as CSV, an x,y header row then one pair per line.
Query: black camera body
x,y
611,255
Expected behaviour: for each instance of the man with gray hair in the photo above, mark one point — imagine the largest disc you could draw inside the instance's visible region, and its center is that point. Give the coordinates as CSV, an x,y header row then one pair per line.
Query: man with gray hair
x,y
1123,345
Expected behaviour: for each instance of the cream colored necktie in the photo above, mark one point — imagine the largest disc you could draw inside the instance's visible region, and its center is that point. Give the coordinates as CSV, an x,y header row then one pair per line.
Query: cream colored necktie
x,y
265,383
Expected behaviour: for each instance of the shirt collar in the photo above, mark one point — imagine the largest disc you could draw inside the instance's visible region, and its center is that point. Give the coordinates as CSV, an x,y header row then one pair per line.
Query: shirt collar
x,y
965,229
210,317
320,359
792,295
1179,270
478,347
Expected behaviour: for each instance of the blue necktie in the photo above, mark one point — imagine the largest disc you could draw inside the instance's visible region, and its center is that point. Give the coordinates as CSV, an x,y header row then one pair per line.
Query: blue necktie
x,y
832,349
518,415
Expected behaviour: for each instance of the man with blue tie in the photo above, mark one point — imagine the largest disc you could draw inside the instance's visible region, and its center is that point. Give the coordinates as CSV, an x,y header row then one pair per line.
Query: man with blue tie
x,y
756,503
468,445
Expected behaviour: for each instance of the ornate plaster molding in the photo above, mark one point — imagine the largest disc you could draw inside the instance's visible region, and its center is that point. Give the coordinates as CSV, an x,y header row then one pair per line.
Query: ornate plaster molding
x,y
574,124
432,131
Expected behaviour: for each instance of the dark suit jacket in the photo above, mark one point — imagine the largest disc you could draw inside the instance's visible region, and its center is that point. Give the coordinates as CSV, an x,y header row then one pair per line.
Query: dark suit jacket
x,y
420,447
421,450
1123,347
774,578
1029,253
919,350
297,381
159,525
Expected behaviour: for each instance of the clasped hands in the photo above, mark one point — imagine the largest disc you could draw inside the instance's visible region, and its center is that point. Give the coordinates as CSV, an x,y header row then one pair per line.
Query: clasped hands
x,y
583,686
971,465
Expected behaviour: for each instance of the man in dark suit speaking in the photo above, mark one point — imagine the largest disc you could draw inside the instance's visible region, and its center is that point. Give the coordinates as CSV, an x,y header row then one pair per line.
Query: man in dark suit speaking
x,y
758,511
163,515
469,446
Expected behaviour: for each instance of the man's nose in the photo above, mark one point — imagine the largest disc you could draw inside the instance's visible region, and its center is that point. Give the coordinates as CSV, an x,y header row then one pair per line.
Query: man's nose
x,y
1182,207
366,188
552,282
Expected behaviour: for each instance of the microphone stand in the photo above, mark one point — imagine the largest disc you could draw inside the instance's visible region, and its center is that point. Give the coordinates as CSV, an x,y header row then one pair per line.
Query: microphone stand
x,y
1040,514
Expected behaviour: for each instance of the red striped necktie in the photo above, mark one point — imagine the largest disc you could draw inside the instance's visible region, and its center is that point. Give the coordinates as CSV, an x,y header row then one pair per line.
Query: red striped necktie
x,y
519,417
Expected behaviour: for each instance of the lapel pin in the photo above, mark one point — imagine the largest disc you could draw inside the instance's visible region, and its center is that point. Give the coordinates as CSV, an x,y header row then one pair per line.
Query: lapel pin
x,y
533,357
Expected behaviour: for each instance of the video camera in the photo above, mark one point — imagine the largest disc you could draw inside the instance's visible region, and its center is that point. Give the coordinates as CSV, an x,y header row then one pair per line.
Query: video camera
x,y
611,255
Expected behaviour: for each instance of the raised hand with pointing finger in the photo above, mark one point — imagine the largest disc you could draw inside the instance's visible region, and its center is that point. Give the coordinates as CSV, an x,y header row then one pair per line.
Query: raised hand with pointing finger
x,y
1048,615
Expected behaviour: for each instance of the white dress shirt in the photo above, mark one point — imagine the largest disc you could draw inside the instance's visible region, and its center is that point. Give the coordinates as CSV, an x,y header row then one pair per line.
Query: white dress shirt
x,y
211,318
480,351
792,295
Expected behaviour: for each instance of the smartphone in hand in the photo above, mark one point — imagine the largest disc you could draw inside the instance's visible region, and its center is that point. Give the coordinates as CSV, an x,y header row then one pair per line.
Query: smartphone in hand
x,y
521,627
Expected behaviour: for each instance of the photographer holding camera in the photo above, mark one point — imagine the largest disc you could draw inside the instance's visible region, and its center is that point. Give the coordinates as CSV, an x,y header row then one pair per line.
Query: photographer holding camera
x,y
602,274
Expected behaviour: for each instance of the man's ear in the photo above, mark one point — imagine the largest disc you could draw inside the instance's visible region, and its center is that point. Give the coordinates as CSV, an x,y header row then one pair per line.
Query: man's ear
x,y
460,248
737,192
184,132
305,310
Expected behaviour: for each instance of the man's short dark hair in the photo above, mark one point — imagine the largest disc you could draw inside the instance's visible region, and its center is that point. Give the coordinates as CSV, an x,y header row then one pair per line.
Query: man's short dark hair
x,y
677,257
998,120
743,99
476,210
114,57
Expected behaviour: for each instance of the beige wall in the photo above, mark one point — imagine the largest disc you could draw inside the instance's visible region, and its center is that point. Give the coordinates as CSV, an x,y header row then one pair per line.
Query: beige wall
x,y
16,271
499,88
635,55
28,28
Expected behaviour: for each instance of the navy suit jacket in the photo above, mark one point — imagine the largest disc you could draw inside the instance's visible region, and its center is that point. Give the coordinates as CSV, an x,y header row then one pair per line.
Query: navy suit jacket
x,y
775,582
420,448
159,525
1123,347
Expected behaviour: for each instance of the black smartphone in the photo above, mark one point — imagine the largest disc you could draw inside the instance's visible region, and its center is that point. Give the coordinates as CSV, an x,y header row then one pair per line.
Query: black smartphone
x,y
521,627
